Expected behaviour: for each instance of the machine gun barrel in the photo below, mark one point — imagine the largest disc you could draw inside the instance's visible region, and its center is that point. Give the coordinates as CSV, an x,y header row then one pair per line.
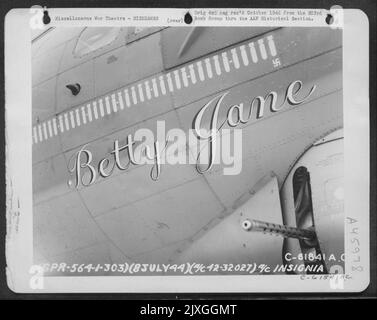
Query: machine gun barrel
x,y
273,228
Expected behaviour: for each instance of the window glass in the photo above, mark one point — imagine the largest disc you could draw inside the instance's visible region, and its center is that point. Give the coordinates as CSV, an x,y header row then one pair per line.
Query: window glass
x,y
92,39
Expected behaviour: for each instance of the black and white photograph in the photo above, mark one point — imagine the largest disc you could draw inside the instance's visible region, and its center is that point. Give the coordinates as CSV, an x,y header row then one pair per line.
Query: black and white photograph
x,y
197,154
102,95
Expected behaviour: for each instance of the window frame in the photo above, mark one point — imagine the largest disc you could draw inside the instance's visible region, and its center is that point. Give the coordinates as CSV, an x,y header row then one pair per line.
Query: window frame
x,y
75,55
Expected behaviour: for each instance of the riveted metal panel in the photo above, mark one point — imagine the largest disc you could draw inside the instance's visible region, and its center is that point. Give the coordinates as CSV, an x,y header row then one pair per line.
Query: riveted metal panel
x,y
128,230
180,212
84,76
43,100
249,60
109,114
130,63
64,224
201,41
45,142
70,60
134,185
54,38
50,179
46,65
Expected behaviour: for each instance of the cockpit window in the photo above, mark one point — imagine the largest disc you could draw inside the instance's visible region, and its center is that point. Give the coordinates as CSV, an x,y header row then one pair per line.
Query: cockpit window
x,y
92,39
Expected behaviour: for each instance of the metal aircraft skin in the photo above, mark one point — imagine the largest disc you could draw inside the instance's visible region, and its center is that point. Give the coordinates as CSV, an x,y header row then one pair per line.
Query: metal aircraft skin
x,y
92,86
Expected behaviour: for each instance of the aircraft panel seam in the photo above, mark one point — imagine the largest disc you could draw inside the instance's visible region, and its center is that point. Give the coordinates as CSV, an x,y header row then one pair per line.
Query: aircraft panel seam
x,y
203,70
